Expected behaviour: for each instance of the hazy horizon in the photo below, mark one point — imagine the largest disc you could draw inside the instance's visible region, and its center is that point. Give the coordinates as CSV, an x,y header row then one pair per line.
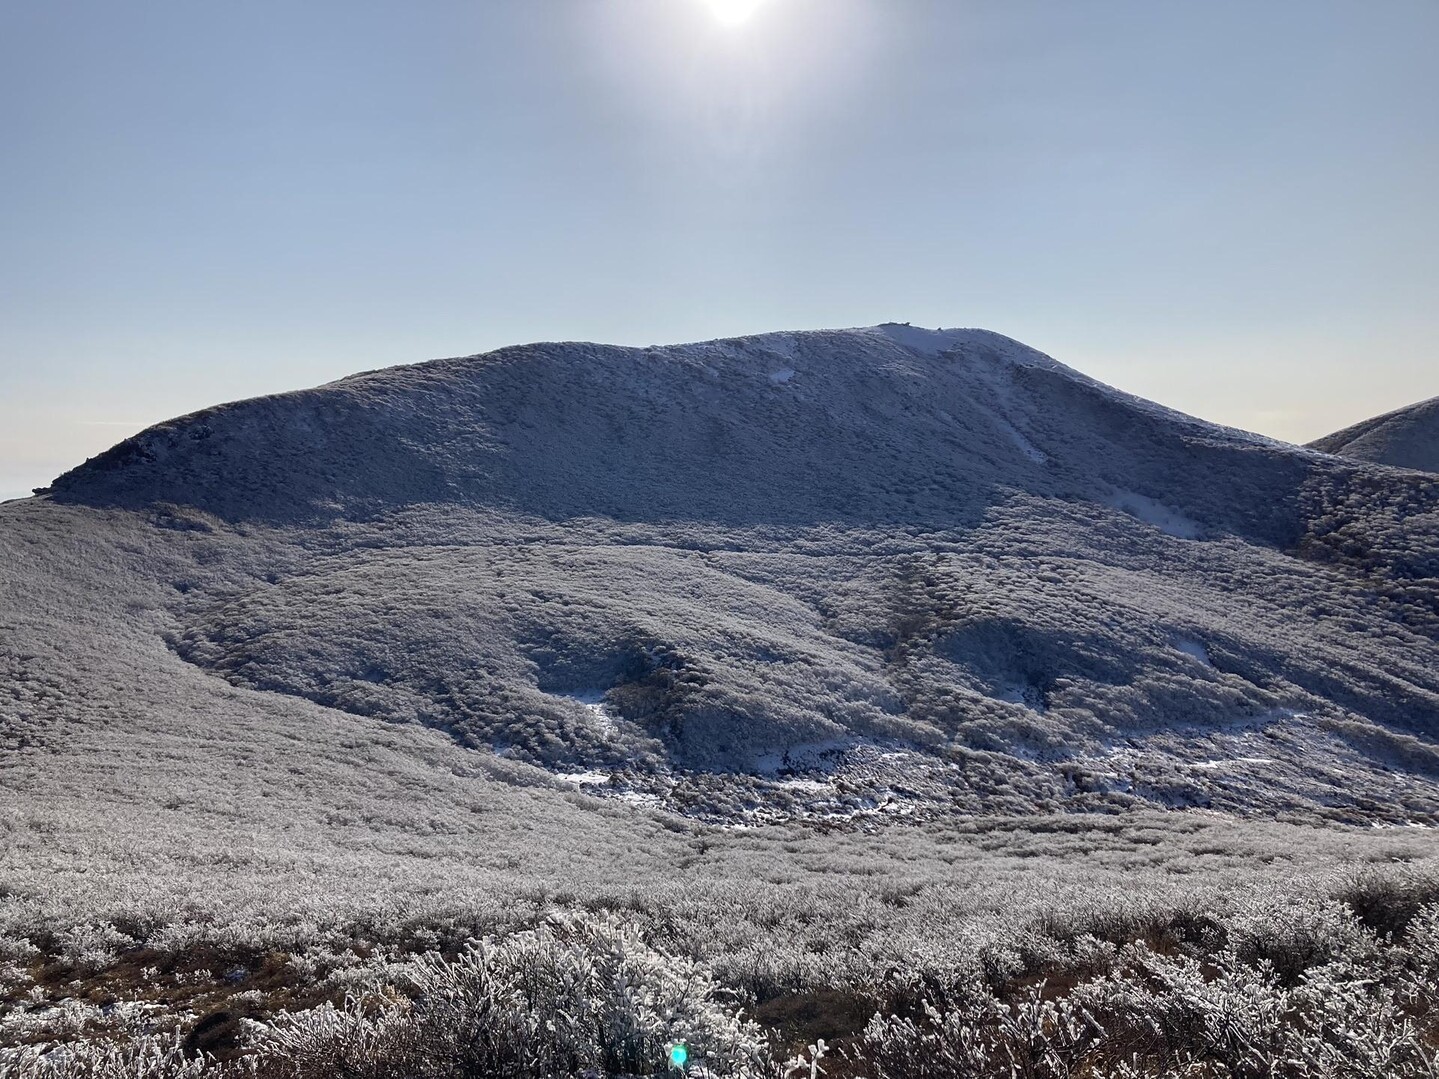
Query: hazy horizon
x,y
1227,209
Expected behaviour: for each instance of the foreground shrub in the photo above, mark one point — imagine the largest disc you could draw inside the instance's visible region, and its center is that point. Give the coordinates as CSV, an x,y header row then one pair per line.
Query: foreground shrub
x,y
1387,903
971,1033
1162,1016
1297,991
143,1058
570,998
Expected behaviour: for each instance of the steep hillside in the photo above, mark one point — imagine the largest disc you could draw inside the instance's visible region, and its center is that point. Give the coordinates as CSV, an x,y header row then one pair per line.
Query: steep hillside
x,y
847,574
1405,438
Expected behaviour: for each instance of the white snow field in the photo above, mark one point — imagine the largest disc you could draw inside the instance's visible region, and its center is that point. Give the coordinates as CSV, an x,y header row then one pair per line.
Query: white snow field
x,y
832,652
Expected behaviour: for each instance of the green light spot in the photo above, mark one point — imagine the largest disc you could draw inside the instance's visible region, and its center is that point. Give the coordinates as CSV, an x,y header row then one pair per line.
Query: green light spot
x,y
679,1056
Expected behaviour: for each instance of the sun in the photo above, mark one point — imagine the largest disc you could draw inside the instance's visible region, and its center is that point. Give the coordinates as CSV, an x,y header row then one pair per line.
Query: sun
x,y
734,12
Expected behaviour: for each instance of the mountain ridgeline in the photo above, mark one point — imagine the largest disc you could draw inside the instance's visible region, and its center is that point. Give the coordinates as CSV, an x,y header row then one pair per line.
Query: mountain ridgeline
x,y
886,570
1405,438
894,425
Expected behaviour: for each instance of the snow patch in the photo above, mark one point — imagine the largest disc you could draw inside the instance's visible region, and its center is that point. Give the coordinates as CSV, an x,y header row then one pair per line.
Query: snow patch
x,y
593,701
1026,447
1190,647
1165,518
1210,765
1029,696
929,342
641,799
813,786
584,779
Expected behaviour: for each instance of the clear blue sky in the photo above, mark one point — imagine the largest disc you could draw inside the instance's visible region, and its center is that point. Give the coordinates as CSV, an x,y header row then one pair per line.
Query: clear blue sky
x,y
1226,206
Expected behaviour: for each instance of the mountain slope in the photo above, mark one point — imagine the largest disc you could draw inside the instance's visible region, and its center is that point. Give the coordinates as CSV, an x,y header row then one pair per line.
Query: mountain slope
x,y
854,573
884,425
1405,438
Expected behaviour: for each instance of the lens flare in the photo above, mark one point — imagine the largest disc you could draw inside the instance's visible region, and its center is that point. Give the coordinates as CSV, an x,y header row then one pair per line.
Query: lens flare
x,y
679,1056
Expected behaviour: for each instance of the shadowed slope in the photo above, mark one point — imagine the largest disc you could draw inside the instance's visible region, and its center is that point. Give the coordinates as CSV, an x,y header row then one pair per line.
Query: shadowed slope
x,y
892,424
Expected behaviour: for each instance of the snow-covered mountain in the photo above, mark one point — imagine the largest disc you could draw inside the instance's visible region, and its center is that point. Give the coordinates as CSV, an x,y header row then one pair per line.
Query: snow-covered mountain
x,y
855,573
1405,438
891,424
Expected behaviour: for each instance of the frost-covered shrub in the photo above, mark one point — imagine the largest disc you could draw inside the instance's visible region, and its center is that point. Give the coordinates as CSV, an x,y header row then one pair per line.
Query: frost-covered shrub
x,y
939,1043
597,995
1387,903
969,1032
1346,1022
1418,961
142,1058
1175,1012
1215,1017
87,949
1339,1021
12,975
570,996
1294,934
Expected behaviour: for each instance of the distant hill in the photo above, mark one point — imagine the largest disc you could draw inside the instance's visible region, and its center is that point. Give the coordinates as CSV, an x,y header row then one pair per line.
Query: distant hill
x,y
1405,438
884,571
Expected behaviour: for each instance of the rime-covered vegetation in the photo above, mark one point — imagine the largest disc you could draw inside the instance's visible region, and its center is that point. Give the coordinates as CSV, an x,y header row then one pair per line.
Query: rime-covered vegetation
x,y
1299,978
523,714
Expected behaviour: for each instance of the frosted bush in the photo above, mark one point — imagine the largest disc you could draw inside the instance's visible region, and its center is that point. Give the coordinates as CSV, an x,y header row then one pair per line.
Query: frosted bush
x,y
1345,1023
88,949
1157,1015
964,1031
63,1021
796,920
16,948
145,1058
1296,933
1418,962
12,975
1176,1012
570,996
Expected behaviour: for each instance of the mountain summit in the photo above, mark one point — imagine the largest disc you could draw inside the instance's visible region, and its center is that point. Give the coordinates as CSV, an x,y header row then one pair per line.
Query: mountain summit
x,y
891,424
875,571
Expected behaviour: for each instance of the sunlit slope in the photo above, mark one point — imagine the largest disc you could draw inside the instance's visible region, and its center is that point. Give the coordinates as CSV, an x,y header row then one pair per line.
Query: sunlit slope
x,y
1405,438
858,573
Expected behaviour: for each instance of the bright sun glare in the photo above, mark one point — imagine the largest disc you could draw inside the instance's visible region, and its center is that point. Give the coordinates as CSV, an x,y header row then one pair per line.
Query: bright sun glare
x,y
734,12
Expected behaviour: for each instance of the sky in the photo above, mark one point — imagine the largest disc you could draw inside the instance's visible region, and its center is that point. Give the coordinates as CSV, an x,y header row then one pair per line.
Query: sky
x,y
1225,206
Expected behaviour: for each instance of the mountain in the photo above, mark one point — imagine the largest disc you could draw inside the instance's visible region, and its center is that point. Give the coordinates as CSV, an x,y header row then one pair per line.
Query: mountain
x,y
840,575
1405,438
